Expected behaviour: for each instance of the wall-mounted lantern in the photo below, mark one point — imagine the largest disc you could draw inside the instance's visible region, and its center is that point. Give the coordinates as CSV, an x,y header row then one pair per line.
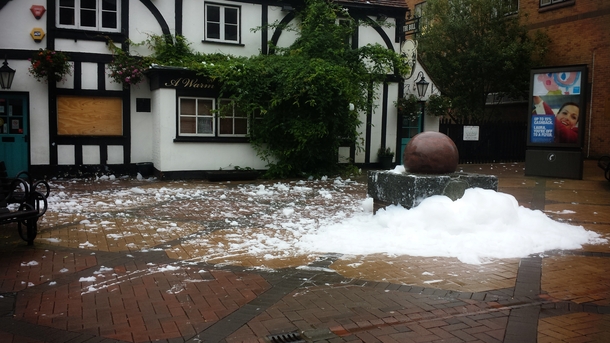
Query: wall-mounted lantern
x,y
6,75
422,85
37,11
37,34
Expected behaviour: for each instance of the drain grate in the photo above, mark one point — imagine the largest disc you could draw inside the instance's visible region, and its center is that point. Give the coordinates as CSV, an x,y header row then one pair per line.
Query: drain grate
x,y
293,337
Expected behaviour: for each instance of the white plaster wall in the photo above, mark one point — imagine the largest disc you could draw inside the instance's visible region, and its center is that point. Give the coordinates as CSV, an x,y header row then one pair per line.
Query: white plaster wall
x,y
344,155
88,75
431,123
392,118
68,81
39,111
115,154
210,156
16,23
288,36
163,105
65,155
91,154
111,85
368,34
81,46
193,29
145,24
168,155
141,126
376,137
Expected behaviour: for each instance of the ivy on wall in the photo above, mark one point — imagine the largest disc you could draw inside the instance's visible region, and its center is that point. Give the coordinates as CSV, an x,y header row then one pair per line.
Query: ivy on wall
x,y
303,100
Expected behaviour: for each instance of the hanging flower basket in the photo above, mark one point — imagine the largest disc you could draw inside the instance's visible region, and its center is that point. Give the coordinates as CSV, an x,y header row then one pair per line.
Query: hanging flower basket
x,y
49,65
126,69
409,107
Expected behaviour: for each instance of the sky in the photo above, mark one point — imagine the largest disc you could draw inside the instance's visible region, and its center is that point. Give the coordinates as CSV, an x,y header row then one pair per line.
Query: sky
x,y
317,217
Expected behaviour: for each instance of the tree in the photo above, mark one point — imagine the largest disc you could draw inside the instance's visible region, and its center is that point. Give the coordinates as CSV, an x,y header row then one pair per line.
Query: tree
x,y
472,48
300,99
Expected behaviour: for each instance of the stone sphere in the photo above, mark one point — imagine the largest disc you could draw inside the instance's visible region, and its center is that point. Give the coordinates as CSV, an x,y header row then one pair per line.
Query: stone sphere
x,y
430,153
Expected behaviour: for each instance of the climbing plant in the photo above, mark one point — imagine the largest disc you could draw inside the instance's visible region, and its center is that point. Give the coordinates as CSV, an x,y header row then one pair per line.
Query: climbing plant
x,y
303,100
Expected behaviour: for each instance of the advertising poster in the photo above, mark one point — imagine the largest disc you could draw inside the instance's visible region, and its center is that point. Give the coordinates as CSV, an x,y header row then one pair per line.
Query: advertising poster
x,y
557,104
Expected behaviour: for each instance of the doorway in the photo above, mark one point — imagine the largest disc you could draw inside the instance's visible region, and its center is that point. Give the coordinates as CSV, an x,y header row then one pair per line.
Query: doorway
x,y
409,128
14,150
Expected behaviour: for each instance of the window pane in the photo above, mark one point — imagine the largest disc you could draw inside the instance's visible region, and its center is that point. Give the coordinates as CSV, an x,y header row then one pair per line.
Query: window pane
x,y
187,106
241,126
66,3
90,4
225,107
231,32
109,20
213,14
226,126
204,125
109,5
187,125
87,18
231,16
204,107
213,31
66,16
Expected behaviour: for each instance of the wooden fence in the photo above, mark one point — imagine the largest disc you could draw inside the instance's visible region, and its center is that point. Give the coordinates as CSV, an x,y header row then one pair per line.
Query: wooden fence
x,y
497,141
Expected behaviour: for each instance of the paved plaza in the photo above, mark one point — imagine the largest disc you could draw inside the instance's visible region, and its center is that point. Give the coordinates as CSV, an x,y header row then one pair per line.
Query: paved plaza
x,y
127,260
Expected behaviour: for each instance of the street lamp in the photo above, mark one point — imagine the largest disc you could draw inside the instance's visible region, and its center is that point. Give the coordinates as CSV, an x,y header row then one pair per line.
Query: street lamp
x,y
6,75
422,85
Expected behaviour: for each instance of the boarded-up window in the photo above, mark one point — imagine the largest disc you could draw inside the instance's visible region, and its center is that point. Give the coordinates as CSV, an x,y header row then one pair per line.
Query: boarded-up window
x,y
89,116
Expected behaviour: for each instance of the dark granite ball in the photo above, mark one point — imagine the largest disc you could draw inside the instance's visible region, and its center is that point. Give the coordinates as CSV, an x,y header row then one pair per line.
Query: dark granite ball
x,y
430,153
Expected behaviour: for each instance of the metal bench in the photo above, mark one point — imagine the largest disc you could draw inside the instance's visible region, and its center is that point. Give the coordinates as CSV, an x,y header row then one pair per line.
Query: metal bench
x,y
604,163
22,201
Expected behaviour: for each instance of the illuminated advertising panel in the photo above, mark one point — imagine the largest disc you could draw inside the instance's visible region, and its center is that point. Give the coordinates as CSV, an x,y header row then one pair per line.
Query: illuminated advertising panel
x,y
557,107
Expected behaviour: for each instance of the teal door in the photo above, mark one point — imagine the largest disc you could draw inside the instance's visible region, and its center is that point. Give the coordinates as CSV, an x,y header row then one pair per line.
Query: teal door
x,y
13,132
409,128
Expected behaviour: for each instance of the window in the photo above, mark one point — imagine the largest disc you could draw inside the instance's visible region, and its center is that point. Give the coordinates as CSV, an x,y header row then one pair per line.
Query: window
x,y
94,15
231,121
89,116
419,13
221,23
196,117
205,117
512,6
544,3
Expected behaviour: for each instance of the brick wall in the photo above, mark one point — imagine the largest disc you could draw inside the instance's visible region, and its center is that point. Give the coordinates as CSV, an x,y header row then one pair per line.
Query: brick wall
x,y
580,34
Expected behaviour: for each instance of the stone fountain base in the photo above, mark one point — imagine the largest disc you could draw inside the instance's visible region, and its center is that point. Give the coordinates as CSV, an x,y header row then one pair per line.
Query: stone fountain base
x,y
408,189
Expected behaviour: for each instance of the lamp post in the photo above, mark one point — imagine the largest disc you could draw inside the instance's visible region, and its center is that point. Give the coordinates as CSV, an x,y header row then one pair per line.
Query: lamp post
x,y
422,85
6,75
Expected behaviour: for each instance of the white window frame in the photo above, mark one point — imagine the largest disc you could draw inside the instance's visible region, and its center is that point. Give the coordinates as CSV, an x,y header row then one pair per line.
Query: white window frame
x,y
196,116
544,3
233,116
215,116
222,24
98,20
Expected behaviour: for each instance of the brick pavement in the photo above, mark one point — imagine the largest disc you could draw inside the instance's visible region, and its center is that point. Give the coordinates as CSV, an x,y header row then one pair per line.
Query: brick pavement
x,y
127,271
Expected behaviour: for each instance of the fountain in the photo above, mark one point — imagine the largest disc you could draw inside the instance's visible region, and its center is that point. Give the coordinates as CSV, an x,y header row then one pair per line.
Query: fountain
x,y
430,160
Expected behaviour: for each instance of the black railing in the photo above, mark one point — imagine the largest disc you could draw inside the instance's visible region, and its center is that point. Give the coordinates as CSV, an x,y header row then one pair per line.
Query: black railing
x,y
497,141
